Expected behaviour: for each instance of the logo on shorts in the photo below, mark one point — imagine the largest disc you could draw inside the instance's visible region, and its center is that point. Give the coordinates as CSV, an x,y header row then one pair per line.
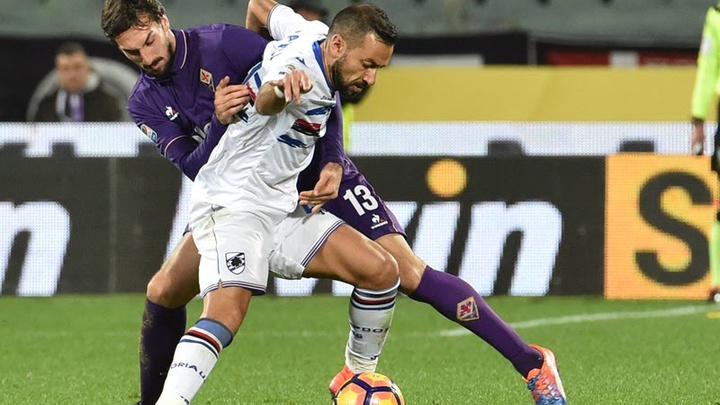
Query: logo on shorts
x,y
467,310
377,221
235,262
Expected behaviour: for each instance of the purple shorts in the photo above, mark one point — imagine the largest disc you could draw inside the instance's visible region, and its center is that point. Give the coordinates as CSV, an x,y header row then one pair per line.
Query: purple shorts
x,y
362,208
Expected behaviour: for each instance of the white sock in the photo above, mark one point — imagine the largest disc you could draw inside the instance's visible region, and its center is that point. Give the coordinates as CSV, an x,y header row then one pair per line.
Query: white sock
x,y
195,357
371,314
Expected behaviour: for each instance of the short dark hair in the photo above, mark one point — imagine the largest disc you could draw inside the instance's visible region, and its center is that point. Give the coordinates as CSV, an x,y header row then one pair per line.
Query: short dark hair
x,y
70,48
356,21
119,16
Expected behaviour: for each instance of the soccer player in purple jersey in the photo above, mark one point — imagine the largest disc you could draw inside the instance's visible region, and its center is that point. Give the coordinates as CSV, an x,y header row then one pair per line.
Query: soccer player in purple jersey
x,y
174,103
176,282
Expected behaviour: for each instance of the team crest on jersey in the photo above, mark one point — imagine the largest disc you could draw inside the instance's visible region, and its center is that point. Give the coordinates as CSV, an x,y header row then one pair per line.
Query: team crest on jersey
x,y
149,132
235,262
207,79
377,221
467,310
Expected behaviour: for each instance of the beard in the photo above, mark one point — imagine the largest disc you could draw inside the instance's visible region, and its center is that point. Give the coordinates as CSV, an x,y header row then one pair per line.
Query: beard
x,y
345,89
165,71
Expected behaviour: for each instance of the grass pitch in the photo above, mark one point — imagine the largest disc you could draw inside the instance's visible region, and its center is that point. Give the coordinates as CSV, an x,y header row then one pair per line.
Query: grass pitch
x,y
83,350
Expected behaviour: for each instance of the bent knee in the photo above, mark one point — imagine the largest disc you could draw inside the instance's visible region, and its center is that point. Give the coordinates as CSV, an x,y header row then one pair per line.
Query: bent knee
x,y
385,272
163,290
158,289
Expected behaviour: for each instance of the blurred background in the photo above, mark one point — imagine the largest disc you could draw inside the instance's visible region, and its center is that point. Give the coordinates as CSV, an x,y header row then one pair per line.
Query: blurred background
x,y
533,147
471,33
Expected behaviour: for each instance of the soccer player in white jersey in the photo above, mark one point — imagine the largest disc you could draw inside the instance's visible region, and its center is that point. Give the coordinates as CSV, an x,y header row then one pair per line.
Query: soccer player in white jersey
x,y
248,185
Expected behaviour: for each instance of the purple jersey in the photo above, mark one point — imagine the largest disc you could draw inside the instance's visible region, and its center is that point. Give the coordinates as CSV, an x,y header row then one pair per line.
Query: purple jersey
x,y
359,205
178,113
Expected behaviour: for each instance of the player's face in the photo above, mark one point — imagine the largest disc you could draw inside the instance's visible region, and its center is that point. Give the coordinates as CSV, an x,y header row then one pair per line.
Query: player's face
x,y
150,45
72,70
356,70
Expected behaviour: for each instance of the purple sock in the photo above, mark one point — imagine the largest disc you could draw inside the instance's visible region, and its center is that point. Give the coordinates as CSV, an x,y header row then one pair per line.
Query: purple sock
x,y
161,331
459,302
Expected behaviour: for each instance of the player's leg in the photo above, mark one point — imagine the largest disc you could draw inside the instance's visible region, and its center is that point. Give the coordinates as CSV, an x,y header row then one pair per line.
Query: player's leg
x,y
458,301
234,249
714,252
350,257
714,248
455,299
164,317
320,245
448,294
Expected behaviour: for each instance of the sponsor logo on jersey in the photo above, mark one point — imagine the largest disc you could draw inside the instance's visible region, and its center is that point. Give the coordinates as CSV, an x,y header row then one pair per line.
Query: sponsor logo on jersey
x,y
377,221
307,128
319,111
171,113
295,143
235,262
206,79
149,132
467,310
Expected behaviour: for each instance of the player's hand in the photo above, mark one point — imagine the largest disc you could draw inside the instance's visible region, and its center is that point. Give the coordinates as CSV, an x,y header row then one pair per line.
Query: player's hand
x,y
326,188
293,85
697,139
230,100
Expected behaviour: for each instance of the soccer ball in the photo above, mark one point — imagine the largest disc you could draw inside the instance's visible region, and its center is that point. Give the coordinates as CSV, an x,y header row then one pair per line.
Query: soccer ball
x,y
369,389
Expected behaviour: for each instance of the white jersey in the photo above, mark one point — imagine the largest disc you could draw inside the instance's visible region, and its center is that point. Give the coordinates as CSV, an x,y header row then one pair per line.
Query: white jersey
x,y
258,160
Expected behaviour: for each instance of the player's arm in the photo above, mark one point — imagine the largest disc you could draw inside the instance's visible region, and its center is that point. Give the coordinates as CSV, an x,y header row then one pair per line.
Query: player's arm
x,y
707,70
279,20
274,95
706,77
257,14
174,142
330,148
245,56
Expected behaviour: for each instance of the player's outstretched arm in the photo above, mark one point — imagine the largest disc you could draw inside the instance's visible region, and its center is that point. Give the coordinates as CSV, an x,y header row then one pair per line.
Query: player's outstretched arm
x,y
257,14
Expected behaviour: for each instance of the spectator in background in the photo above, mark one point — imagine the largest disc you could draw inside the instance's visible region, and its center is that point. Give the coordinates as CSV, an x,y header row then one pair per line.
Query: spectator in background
x,y
706,87
81,95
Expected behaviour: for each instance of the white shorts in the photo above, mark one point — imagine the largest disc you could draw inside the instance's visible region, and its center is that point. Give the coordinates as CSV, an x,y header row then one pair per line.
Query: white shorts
x,y
239,248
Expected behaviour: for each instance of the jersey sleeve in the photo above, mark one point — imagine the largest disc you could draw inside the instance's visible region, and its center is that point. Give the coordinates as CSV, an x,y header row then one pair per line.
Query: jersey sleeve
x,y
242,47
708,63
331,145
172,141
283,22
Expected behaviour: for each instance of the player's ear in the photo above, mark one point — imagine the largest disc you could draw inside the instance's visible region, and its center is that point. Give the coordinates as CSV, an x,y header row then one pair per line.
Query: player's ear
x,y
338,46
165,23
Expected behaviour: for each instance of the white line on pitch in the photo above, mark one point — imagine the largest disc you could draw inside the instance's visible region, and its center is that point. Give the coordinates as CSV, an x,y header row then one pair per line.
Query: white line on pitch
x,y
586,318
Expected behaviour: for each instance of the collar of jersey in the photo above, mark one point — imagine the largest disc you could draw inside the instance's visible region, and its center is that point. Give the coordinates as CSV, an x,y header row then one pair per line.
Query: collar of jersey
x,y
319,59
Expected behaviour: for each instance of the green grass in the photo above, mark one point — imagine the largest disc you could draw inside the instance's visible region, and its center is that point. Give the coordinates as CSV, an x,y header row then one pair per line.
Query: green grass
x,y
83,350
